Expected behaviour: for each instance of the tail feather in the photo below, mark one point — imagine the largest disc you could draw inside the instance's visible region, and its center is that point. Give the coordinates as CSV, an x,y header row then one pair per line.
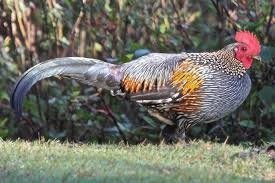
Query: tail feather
x,y
88,70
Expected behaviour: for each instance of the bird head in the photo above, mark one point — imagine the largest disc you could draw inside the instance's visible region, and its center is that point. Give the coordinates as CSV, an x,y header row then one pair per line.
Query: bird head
x,y
246,48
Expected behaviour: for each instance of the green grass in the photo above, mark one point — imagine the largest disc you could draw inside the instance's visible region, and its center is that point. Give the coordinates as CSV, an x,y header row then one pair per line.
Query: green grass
x,y
199,162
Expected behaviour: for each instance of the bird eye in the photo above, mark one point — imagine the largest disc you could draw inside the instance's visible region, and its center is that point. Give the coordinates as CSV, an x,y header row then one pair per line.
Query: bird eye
x,y
243,48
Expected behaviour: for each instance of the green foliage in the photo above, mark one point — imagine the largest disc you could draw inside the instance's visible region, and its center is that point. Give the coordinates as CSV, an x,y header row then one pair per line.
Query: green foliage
x,y
119,31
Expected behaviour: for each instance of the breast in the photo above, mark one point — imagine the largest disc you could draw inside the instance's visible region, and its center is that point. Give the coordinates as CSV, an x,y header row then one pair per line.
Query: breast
x,y
222,94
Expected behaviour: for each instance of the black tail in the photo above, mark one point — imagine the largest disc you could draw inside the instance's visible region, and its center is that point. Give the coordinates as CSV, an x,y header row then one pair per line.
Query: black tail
x,y
92,71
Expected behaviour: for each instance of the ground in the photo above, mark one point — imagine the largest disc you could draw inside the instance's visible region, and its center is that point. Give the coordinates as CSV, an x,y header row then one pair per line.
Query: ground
x,y
52,161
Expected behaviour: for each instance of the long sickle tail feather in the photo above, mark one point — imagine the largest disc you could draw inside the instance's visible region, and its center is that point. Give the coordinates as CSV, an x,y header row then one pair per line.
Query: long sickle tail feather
x,y
92,71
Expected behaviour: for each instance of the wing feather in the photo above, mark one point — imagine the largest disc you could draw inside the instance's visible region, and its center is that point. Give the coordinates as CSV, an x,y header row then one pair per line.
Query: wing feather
x,y
170,79
149,76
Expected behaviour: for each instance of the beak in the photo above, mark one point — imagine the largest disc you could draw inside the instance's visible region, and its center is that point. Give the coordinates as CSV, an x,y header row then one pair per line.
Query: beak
x,y
257,58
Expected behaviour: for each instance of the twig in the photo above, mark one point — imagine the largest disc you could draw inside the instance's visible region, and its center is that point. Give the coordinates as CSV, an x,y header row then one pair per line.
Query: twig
x,y
82,43
124,32
269,20
106,112
180,22
221,10
177,11
230,18
110,113
220,18
75,28
215,4
256,7
221,15
16,35
46,29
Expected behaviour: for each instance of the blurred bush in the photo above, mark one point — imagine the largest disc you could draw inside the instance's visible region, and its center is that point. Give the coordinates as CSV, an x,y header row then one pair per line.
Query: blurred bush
x,y
32,31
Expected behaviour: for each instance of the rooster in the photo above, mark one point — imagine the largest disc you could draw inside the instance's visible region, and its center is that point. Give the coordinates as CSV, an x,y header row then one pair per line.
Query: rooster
x,y
180,89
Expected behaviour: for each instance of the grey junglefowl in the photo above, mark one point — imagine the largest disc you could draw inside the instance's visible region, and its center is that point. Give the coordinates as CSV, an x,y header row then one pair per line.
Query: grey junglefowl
x,y
180,89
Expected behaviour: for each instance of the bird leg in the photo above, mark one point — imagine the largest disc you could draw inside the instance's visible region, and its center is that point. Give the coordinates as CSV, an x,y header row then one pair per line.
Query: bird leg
x,y
168,133
181,135
175,134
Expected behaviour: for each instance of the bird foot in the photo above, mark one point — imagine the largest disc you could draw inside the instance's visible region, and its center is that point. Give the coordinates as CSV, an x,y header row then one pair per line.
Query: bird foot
x,y
170,136
183,140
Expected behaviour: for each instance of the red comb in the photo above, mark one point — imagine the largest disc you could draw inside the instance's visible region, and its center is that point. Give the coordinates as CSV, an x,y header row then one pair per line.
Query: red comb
x,y
249,39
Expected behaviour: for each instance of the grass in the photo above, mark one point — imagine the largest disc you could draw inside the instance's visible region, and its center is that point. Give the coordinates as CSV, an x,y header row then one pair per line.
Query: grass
x,y
52,161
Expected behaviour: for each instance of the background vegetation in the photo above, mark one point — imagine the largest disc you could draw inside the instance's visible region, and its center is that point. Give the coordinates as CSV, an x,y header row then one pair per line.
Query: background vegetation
x,y
32,31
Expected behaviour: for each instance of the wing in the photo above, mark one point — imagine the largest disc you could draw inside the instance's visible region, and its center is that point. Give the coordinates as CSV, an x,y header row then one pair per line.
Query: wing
x,y
165,81
147,78
160,76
